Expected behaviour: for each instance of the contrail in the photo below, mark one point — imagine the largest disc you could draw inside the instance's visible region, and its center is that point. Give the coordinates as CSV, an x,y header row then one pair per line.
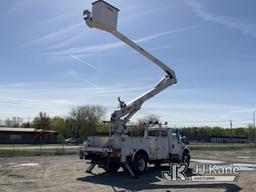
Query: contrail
x,y
84,62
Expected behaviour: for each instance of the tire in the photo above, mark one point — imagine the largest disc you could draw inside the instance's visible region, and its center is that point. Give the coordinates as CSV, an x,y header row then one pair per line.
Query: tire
x,y
140,164
185,158
111,167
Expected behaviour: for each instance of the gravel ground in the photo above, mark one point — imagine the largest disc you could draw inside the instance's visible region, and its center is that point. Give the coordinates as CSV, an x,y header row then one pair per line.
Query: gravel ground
x,y
67,173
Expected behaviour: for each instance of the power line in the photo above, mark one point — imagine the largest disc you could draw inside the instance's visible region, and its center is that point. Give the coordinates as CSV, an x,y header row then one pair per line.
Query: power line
x,y
184,121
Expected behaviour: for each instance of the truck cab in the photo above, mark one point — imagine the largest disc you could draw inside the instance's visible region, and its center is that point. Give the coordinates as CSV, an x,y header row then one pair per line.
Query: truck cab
x,y
166,144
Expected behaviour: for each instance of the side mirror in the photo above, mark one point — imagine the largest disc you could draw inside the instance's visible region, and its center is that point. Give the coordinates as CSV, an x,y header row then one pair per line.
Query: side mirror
x,y
185,140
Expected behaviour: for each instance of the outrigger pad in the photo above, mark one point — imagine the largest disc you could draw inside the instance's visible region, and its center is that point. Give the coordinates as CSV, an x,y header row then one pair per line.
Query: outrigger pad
x,y
127,166
90,168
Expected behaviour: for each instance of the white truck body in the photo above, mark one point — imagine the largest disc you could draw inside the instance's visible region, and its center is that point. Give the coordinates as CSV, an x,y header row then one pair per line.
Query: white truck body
x,y
158,145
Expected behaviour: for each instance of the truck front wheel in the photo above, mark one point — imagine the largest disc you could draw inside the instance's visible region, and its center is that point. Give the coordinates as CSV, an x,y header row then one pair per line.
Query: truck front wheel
x,y
186,158
140,164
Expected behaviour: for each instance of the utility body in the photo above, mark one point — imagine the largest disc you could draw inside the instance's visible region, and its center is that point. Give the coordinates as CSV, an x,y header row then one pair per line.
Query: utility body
x,y
157,146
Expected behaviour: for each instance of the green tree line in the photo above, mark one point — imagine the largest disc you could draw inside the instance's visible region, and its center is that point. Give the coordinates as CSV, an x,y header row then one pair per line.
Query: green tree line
x,y
80,122
219,131
85,120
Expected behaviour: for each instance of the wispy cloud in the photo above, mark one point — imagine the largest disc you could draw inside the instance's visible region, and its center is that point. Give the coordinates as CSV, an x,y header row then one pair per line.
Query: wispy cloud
x,y
52,35
244,110
157,35
119,91
89,49
84,62
146,10
68,41
65,42
106,47
197,84
201,11
42,102
82,92
76,76
18,6
56,100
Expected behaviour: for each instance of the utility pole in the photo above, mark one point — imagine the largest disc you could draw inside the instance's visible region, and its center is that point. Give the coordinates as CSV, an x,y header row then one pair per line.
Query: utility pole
x,y
231,131
254,127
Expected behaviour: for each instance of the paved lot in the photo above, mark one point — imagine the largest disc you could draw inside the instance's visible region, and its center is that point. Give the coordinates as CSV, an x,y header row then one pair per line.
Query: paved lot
x,y
66,173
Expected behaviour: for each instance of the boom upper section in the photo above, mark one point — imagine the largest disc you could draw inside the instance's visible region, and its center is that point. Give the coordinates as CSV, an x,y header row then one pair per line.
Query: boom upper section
x,y
104,16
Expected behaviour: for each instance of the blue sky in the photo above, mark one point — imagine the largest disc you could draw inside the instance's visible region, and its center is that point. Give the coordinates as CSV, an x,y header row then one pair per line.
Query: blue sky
x,y
50,60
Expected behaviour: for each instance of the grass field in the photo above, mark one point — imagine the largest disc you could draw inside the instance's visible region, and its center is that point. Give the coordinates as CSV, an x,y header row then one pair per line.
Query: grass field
x,y
58,149
214,146
37,150
27,145
10,153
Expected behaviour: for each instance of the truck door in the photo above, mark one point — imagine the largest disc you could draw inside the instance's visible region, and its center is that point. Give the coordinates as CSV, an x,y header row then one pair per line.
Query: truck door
x,y
162,145
158,144
152,137
175,142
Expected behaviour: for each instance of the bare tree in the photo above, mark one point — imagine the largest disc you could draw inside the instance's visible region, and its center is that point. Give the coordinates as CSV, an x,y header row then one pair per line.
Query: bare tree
x,y
42,123
152,118
140,125
13,122
84,120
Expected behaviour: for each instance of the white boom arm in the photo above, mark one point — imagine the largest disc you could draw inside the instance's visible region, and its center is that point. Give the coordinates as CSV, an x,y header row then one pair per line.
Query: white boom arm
x,y
120,117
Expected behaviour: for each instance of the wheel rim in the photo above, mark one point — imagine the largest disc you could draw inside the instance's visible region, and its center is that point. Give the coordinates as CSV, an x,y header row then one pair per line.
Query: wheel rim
x,y
142,165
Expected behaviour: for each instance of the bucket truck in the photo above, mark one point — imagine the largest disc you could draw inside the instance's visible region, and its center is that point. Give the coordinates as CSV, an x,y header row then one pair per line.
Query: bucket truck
x,y
118,149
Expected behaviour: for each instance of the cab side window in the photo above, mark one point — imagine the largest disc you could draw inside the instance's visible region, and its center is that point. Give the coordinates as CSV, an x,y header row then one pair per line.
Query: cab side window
x,y
176,135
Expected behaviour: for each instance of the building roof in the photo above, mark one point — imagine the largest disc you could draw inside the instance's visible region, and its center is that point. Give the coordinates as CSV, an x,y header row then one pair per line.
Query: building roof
x,y
14,129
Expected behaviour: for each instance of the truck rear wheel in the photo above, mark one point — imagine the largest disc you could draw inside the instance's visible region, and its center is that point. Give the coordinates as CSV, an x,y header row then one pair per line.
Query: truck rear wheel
x,y
140,164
